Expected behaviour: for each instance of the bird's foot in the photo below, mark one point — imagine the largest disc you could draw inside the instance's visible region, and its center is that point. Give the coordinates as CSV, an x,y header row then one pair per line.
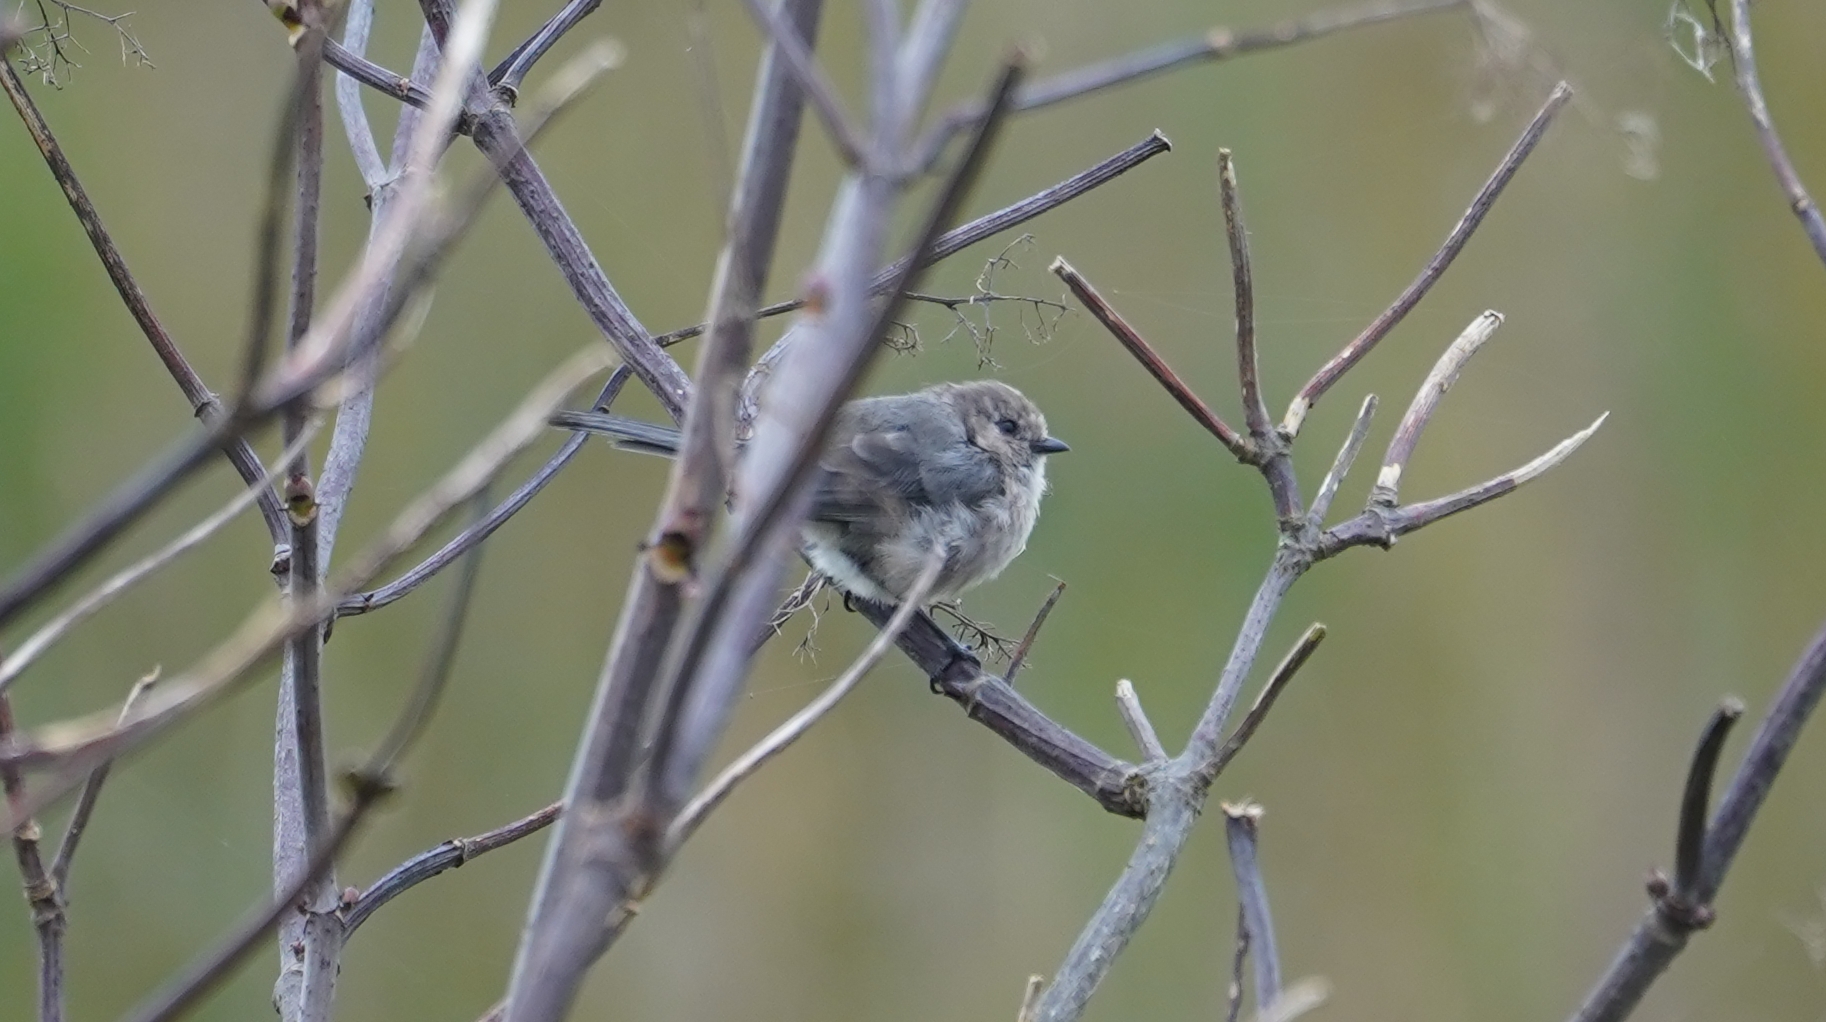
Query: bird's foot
x,y
980,638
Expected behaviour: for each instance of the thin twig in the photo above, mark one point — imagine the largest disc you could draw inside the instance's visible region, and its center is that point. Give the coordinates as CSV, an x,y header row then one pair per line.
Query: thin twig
x,y
1150,360
1029,997
793,728
91,791
318,358
1467,225
1128,706
41,888
1240,824
1277,682
422,572
1341,465
1689,842
1004,219
1217,44
797,600
92,602
203,402
1233,997
369,783
86,741
357,25
810,78
1664,930
189,987
1019,659
1743,53
1248,368
445,856
379,78
512,71
1379,526
1386,492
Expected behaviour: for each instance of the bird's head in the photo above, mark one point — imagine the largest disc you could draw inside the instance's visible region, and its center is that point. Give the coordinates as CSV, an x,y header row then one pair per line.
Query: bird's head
x,y
1002,421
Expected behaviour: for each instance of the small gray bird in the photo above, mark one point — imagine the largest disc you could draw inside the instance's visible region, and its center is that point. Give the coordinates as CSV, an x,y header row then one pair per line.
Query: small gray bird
x,y
957,465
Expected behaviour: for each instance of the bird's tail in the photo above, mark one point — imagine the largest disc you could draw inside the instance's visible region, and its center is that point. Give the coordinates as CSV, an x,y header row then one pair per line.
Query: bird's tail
x,y
627,434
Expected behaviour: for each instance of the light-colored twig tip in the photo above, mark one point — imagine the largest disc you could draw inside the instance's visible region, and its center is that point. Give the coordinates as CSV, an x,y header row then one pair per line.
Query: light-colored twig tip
x,y
1030,997
1341,465
1420,411
1136,720
1559,453
1296,1000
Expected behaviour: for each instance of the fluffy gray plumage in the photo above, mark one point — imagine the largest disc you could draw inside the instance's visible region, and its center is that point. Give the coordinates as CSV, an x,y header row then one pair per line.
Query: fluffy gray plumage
x,y
957,465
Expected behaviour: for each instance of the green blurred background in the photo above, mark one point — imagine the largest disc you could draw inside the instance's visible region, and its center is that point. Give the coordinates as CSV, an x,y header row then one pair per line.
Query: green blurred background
x,y
1464,788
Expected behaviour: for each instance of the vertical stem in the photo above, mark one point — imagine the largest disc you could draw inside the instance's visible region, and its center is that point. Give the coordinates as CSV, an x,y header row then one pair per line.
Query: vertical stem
x,y
41,888
301,800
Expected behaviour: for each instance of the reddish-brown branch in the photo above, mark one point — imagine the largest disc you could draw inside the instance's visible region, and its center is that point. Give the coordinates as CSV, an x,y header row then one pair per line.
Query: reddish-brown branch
x,y
1150,360
1467,225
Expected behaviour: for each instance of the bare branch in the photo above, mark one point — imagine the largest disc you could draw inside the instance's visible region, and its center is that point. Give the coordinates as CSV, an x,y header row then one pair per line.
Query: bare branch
x,y
1248,370
1240,823
921,58
511,72
355,413
92,602
1238,958
1151,360
1030,997
422,572
958,675
41,887
1277,682
1743,53
355,127
1379,328
1217,44
1019,659
798,59
319,357
82,743
203,402
1689,843
1445,372
1004,219
445,856
1763,760
1340,466
91,791
1128,704
368,784
210,970
1380,526
1664,930
380,79
780,738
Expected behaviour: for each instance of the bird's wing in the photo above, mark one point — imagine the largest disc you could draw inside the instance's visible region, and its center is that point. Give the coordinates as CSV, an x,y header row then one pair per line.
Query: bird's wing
x,y
897,469
875,475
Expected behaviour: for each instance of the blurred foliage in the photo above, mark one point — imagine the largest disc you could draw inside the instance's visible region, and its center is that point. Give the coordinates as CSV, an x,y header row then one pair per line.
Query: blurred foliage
x,y
1464,788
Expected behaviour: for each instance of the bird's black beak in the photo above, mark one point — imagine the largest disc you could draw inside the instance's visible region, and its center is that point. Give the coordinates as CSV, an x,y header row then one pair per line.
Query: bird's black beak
x,y
1049,445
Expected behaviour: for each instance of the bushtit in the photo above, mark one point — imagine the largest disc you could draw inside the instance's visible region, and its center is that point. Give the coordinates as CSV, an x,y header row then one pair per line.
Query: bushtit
x,y
960,466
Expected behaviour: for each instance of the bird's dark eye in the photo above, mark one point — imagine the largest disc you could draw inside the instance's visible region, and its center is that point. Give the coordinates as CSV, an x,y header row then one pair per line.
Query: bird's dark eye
x,y
1007,426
